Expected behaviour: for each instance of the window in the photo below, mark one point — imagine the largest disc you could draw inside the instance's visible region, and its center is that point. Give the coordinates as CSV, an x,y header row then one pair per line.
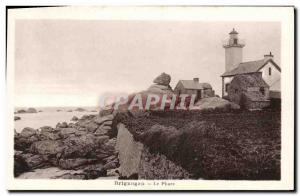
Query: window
x,y
262,90
235,90
235,41
270,71
226,87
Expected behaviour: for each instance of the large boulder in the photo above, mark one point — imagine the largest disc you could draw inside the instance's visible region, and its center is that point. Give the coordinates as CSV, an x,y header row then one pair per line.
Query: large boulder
x,y
87,123
49,136
100,140
66,132
23,143
88,146
163,79
109,146
24,140
47,147
28,132
91,126
31,110
158,88
113,164
20,165
48,133
80,132
88,117
33,161
21,111
79,110
74,118
213,103
79,146
106,148
72,125
94,171
62,125
17,118
46,129
99,120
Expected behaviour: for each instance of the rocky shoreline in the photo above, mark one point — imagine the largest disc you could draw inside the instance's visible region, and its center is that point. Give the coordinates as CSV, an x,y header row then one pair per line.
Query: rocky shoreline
x,y
86,146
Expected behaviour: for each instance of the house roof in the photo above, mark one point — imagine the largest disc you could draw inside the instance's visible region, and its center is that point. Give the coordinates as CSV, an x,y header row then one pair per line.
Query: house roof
x,y
249,80
255,96
249,67
191,84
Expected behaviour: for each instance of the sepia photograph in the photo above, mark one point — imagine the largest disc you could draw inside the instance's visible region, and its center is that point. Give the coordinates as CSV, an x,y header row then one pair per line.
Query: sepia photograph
x,y
162,99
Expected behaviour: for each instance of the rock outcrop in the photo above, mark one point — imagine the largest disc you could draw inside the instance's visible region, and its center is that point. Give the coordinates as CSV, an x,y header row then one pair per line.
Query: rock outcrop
x,y
29,110
20,111
79,110
215,103
17,118
161,85
74,146
136,162
163,79
160,88
74,118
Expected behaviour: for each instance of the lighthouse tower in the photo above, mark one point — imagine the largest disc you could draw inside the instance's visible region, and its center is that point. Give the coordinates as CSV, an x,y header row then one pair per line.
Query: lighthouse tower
x,y
233,51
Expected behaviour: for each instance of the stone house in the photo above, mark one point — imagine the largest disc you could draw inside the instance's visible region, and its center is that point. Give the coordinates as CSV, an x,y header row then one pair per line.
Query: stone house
x,y
250,91
194,87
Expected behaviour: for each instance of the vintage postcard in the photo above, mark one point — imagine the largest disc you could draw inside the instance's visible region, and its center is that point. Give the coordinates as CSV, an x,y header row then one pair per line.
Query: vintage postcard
x,y
150,98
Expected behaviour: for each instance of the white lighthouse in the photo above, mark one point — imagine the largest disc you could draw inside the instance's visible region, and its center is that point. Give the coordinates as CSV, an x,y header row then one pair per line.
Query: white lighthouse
x,y
233,51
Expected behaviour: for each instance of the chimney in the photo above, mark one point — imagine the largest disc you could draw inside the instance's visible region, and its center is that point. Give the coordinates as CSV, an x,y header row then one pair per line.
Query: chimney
x,y
268,56
196,79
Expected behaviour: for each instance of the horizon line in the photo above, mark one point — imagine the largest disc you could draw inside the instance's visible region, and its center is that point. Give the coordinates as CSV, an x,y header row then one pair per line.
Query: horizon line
x,y
55,106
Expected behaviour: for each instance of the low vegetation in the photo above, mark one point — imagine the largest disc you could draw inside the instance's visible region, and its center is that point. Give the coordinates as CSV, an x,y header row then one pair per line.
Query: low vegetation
x,y
237,145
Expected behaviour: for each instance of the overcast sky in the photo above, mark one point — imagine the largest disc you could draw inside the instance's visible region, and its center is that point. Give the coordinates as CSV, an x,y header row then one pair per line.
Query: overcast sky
x,y
73,63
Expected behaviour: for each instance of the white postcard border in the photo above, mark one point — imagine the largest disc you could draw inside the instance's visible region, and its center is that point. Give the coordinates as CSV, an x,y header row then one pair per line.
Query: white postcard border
x,y
285,15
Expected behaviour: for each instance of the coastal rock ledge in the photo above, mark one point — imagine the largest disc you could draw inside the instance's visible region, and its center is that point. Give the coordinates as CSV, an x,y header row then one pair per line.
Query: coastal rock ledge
x,y
75,146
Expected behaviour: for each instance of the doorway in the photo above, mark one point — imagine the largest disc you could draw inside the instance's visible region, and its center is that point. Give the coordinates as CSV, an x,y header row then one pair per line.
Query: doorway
x,y
198,95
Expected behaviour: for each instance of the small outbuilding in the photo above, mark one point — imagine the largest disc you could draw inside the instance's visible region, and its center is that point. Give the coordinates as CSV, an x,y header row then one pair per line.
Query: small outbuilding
x,y
194,87
250,91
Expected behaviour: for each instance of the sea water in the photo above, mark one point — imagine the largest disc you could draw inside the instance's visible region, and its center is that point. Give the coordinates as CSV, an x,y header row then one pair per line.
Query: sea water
x,y
50,116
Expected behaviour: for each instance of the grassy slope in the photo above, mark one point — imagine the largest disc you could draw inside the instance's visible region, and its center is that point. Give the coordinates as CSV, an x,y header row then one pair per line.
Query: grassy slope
x,y
211,145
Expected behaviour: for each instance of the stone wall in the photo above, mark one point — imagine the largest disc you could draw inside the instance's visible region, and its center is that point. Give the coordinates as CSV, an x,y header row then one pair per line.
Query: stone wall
x,y
252,105
137,162
129,152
